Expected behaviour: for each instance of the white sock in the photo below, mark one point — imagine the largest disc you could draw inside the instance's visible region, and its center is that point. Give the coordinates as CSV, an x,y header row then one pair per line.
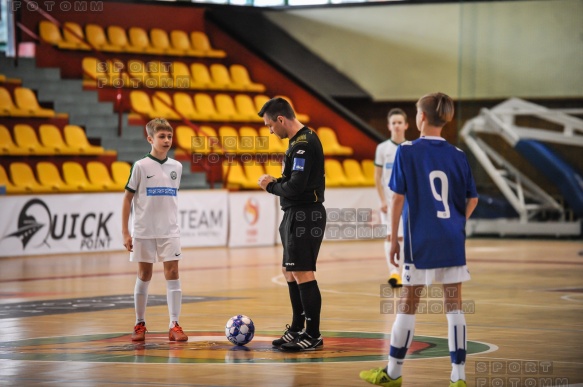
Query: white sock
x,y
174,299
392,268
456,340
141,299
401,339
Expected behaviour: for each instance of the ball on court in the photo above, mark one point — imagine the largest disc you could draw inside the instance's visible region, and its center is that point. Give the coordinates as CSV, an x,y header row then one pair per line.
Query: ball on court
x,y
240,329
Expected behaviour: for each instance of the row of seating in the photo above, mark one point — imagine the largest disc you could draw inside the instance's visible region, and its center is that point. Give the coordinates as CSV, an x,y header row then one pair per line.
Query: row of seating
x,y
96,177
200,106
247,140
349,173
135,41
26,142
167,75
25,104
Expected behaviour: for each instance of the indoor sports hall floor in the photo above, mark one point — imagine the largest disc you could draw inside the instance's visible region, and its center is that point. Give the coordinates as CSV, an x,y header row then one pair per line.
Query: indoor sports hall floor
x,y
65,320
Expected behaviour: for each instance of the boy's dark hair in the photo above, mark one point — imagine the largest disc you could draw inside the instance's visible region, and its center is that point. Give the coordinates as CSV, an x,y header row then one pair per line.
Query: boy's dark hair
x,y
156,125
277,107
397,111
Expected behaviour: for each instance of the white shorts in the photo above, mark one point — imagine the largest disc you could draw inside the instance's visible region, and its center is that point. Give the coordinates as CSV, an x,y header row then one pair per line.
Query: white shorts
x,y
156,250
445,275
386,220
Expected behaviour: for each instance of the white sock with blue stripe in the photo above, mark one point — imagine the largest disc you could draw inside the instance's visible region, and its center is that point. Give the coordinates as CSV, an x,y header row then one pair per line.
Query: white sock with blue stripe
x,y
456,340
401,339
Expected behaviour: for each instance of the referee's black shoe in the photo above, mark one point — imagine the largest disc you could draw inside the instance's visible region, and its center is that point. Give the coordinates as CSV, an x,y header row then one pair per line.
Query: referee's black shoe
x,y
287,337
304,342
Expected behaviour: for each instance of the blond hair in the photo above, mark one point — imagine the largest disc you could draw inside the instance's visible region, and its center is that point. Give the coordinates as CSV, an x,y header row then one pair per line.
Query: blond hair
x,y
438,108
156,125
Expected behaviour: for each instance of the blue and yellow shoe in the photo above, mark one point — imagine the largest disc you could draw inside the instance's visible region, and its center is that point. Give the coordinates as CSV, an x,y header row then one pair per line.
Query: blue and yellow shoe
x,y
459,383
395,280
379,377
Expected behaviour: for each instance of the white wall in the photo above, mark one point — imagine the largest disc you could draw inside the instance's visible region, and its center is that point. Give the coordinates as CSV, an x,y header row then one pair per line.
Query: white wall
x,y
469,50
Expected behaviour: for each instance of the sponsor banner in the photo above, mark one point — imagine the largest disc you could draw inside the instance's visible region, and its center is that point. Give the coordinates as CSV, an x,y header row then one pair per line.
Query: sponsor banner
x,y
203,217
252,219
351,214
51,224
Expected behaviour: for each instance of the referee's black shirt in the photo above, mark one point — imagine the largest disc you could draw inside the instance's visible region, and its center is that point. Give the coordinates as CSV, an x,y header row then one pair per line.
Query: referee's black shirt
x,y
302,181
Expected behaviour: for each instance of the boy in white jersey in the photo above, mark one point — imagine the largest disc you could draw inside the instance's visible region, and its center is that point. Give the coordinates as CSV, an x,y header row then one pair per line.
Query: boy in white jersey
x,y
152,190
384,158
435,179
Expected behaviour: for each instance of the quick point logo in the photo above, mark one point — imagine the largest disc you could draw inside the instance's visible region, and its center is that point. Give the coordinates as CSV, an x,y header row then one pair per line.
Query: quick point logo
x,y
33,217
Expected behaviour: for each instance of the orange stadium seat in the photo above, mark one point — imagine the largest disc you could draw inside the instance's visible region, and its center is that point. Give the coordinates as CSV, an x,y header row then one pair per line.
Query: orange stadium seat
x,y
181,77
202,78
221,78
354,173
330,143
240,77
246,108
226,108
51,138
163,105
249,141
99,175
206,107
368,170
184,104
160,41
76,139
25,137
74,175
7,146
200,42
27,102
335,176
120,172
96,36
50,178
22,177
141,43
181,42
10,188
7,107
73,36
118,38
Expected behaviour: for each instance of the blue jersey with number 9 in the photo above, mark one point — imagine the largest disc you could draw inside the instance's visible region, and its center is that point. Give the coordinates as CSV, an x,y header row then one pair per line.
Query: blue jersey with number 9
x,y
436,179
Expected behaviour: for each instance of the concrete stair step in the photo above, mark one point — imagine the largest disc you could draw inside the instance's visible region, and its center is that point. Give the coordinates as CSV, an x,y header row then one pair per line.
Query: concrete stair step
x,y
84,108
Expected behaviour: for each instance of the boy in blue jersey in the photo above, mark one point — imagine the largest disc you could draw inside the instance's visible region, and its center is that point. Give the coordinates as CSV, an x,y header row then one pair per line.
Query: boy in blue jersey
x,y
435,180
151,192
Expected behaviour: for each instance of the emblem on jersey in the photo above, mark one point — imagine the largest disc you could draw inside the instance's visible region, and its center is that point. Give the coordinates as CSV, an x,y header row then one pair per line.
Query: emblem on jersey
x,y
298,164
301,152
173,175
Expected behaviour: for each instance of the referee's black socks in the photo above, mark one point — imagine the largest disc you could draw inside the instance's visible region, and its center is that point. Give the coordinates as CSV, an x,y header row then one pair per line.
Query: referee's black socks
x,y
312,303
297,324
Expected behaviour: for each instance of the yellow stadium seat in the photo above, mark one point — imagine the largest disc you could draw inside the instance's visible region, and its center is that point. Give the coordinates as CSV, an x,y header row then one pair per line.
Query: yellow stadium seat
x,y
186,139
202,78
240,77
139,41
275,144
50,137
137,72
120,172
229,138
200,42
181,77
76,139
246,108
50,178
259,101
22,177
210,137
141,104
25,138
249,141
180,42
91,72
330,143
354,173
164,106
160,41
7,107
96,36
236,178
10,188
221,78
226,108
368,170
50,33
206,107
159,75
74,175
184,104
304,118
335,176
26,101
118,38
7,146
253,171
73,36
99,175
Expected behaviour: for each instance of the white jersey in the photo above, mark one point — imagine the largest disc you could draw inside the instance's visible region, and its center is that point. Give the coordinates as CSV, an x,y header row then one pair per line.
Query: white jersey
x,y
384,158
155,185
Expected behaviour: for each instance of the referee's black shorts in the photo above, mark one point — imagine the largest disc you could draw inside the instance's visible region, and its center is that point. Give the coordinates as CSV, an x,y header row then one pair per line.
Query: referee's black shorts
x,y
302,230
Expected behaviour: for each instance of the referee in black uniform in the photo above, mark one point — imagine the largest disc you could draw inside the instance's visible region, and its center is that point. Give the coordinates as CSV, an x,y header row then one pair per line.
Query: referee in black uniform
x,y
301,192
